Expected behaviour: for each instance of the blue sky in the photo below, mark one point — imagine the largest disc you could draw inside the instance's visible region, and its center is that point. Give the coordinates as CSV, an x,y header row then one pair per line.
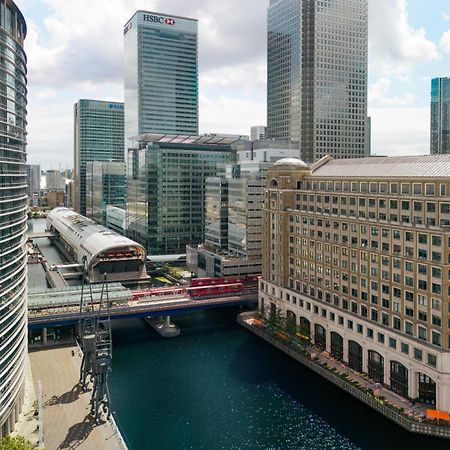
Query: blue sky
x,y
75,51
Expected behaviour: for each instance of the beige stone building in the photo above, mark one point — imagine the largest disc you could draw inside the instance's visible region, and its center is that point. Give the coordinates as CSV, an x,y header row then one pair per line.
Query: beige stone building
x,y
357,253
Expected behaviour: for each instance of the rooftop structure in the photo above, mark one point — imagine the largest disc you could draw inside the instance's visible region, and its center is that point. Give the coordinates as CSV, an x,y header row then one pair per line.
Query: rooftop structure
x,y
258,132
102,250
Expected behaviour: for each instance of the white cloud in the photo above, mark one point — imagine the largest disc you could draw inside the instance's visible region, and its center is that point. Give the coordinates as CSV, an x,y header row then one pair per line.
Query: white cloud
x,y
395,46
380,95
77,51
400,131
445,41
230,115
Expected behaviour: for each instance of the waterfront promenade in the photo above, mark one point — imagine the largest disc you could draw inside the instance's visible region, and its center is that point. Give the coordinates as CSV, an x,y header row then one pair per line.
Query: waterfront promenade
x,y
393,407
67,422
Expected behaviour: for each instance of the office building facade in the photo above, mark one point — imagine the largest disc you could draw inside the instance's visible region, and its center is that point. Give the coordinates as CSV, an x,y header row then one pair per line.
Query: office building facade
x,y
54,181
356,253
33,179
99,136
13,215
105,185
317,76
166,189
233,224
258,132
440,116
216,212
161,75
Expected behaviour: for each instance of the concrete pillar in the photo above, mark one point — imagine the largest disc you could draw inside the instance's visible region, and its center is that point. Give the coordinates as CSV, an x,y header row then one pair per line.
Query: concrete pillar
x,y
365,358
387,370
167,318
443,396
328,340
12,422
345,347
413,388
7,426
44,336
17,411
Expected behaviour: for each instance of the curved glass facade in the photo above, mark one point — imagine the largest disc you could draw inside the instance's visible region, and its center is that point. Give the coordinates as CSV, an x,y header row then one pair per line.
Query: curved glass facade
x,y
13,213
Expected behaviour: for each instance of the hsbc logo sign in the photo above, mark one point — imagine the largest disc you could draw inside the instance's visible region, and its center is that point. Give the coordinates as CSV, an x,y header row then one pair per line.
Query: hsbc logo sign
x,y
158,19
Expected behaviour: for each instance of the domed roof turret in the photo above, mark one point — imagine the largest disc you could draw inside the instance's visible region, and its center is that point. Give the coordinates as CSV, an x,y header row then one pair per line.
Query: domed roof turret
x,y
291,162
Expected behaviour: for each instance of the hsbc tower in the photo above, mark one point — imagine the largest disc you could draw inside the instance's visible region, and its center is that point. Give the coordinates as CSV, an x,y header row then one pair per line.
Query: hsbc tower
x,y
160,75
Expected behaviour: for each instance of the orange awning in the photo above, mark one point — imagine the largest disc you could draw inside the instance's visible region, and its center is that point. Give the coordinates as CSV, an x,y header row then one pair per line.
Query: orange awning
x,y
436,414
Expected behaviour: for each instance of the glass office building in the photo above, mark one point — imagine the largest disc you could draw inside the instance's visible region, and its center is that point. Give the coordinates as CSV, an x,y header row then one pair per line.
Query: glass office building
x,y
317,76
440,116
99,136
105,185
166,189
161,75
13,214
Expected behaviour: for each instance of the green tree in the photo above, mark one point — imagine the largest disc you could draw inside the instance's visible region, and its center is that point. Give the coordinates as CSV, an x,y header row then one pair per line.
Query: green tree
x,y
16,443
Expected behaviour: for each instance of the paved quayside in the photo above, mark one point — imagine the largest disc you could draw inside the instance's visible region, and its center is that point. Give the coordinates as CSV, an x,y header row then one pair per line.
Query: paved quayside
x,y
67,421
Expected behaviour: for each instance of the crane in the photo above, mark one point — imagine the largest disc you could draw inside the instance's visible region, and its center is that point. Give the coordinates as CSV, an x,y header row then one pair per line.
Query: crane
x,y
96,342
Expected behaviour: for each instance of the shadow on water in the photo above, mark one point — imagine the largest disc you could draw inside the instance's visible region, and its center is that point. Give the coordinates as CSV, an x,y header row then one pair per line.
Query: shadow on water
x,y
363,426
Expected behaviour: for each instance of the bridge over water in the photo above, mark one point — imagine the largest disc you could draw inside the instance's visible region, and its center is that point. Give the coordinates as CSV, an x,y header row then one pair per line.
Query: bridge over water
x,y
60,307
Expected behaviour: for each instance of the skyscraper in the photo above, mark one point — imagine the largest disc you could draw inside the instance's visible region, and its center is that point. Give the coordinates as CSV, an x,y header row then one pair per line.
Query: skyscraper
x,y
317,76
99,136
13,215
440,116
161,75
33,179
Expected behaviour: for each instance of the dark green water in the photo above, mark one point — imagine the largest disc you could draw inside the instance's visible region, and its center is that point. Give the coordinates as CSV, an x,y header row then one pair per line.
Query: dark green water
x,y
219,387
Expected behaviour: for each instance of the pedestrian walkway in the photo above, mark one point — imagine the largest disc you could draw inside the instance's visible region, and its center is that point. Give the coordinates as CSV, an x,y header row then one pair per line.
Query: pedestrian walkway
x,y
417,412
67,420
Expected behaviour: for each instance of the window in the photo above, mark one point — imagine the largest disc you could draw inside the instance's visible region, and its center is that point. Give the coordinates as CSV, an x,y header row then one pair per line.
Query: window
x,y
436,338
405,348
417,189
409,328
432,360
370,333
392,343
417,354
422,333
